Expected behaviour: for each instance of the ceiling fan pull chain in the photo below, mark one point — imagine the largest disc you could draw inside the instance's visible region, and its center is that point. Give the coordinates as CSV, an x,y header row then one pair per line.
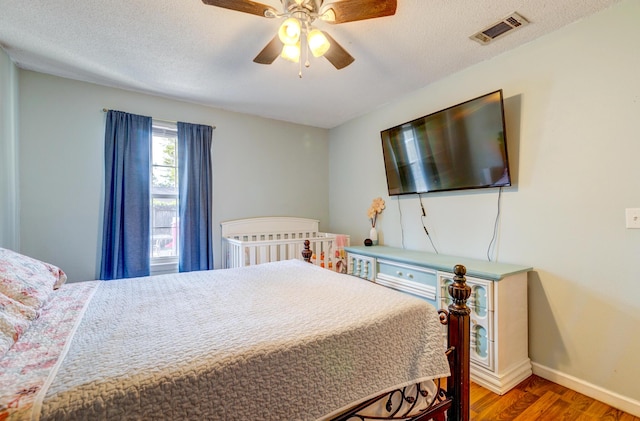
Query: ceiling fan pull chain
x,y
306,54
300,61
303,46
307,64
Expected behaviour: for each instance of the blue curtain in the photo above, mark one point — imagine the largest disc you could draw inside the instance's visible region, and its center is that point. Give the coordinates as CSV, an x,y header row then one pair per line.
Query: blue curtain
x,y
194,189
125,234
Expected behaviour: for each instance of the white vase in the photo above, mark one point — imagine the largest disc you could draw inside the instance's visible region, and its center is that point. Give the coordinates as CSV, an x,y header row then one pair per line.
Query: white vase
x,y
373,236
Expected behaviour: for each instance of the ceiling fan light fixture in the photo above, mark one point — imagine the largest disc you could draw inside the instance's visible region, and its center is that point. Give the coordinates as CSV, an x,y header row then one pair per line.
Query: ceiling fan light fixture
x,y
296,33
291,52
289,32
318,43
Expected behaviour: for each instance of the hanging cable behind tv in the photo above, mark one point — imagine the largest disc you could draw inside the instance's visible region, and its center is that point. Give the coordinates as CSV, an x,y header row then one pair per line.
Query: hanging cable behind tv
x,y
426,231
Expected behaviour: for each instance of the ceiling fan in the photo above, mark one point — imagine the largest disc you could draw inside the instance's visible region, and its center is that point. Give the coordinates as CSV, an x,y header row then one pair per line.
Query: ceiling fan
x,y
297,28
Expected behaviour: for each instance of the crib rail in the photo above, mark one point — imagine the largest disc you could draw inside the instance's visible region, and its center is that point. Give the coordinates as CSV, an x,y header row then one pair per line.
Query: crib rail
x,y
252,249
252,241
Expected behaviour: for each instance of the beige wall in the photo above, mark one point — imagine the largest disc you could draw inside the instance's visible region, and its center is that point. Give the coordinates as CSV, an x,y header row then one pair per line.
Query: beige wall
x,y
261,167
573,106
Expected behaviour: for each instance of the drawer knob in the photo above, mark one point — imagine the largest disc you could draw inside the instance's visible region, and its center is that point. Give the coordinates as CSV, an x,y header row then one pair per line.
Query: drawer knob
x,y
399,273
409,275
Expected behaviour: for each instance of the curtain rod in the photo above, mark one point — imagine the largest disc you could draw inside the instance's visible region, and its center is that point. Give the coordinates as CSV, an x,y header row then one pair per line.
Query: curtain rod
x,y
104,110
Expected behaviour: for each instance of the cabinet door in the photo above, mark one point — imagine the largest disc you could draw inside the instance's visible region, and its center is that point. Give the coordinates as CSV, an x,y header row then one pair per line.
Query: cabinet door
x,y
361,266
482,317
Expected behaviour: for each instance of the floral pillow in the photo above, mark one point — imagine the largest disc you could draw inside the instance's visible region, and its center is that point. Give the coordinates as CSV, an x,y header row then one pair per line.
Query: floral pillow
x,y
15,319
27,280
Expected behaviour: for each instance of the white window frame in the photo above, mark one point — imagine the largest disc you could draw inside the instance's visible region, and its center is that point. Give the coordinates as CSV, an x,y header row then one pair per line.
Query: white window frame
x,y
163,264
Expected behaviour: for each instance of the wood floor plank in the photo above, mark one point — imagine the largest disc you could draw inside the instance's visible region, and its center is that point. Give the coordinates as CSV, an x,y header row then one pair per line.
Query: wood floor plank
x,y
571,414
577,400
497,405
607,413
539,386
558,411
512,411
542,405
478,393
597,409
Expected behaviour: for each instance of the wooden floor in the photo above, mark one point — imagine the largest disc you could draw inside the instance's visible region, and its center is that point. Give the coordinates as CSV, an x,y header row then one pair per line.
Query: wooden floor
x,y
540,399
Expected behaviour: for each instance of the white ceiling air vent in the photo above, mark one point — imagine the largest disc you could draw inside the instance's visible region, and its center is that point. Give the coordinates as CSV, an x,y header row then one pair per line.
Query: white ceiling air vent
x,y
498,29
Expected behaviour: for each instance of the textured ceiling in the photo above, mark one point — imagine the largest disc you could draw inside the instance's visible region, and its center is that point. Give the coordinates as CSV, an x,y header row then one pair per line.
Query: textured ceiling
x,y
190,51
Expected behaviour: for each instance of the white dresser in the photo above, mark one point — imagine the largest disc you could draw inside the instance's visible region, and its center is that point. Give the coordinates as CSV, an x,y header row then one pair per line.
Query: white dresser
x,y
498,302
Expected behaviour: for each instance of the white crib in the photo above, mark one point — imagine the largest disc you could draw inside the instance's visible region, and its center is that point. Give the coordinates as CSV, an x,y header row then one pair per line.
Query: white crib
x,y
253,241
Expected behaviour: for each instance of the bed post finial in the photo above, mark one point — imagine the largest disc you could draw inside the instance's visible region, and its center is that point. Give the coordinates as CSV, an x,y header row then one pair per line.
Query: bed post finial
x,y
307,253
459,291
459,338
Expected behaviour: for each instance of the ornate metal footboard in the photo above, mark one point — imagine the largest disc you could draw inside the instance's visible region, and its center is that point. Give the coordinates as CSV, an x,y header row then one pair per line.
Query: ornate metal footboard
x,y
409,403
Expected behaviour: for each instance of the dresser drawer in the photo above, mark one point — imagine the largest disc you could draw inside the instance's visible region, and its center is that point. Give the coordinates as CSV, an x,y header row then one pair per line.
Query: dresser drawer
x,y
481,298
407,272
361,266
408,278
479,316
482,349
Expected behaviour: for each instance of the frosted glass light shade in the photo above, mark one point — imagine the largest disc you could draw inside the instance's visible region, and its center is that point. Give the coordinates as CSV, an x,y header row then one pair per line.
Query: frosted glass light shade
x,y
318,43
291,52
289,32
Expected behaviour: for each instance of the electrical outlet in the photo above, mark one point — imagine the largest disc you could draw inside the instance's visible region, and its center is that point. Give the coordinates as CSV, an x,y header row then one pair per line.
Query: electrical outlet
x,y
633,217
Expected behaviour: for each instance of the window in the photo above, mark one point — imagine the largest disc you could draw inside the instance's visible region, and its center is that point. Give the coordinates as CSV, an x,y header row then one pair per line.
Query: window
x,y
155,201
164,195
414,157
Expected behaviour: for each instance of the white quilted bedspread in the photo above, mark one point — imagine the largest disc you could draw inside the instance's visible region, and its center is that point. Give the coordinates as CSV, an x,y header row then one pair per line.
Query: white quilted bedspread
x,y
279,341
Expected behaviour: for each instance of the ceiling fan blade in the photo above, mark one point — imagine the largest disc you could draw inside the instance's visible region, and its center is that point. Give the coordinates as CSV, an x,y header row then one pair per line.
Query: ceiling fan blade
x,y
270,52
337,55
341,11
246,6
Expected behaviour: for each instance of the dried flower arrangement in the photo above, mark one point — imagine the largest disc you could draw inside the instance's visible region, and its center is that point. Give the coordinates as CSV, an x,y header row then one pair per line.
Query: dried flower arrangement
x,y
375,209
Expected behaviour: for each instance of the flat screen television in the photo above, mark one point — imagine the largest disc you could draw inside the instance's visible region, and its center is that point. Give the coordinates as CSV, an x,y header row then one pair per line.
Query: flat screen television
x,y
460,147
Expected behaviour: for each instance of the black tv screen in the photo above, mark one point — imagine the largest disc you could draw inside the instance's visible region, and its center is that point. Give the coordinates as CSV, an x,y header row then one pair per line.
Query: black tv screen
x,y
460,147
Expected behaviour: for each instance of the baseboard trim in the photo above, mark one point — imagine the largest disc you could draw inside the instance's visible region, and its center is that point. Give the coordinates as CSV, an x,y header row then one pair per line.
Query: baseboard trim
x,y
616,400
504,382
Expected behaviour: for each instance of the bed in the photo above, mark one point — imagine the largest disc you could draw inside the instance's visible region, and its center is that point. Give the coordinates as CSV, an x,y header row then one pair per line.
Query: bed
x,y
252,241
283,340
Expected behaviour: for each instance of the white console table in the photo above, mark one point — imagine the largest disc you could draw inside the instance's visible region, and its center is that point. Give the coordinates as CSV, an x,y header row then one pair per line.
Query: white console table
x,y
498,302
